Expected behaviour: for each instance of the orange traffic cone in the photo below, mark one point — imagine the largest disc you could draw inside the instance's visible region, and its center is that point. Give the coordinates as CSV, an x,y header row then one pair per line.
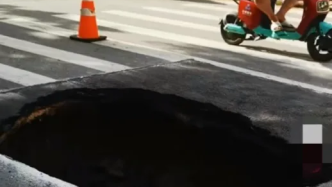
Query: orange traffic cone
x,y
88,29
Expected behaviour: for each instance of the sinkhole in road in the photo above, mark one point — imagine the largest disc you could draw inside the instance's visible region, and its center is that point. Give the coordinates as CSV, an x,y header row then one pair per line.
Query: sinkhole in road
x,y
134,137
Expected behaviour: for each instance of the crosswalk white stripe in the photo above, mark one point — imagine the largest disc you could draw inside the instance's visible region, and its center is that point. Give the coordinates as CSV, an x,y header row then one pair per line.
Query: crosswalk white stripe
x,y
233,6
118,44
131,47
269,77
205,16
253,73
260,74
184,13
208,28
22,77
229,9
294,10
62,55
215,7
163,20
199,42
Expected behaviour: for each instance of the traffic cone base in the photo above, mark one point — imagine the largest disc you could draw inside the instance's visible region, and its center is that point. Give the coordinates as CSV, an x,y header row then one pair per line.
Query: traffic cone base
x,y
88,28
88,40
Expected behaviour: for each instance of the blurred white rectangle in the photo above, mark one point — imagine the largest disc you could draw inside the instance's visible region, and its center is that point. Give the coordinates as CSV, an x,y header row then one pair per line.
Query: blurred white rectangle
x,y
312,134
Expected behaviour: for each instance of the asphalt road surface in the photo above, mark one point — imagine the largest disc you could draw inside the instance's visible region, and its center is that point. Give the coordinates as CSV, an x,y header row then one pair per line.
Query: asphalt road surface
x,y
35,49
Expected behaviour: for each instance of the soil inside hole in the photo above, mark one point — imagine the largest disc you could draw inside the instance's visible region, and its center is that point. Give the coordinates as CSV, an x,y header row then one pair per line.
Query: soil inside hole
x,y
140,138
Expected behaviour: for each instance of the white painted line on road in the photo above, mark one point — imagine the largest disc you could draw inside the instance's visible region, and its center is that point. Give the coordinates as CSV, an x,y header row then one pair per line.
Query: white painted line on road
x,y
231,6
224,66
231,67
200,42
62,55
215,7
52,30
146,50
118,44
282,80
64,32
215,18
163,20
255,73
22,77
205,16
184,13
208,28
222,8
268,77
250,72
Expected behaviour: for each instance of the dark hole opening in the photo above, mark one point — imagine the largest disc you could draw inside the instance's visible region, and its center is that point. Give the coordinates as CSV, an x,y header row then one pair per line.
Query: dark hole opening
x,y
140,138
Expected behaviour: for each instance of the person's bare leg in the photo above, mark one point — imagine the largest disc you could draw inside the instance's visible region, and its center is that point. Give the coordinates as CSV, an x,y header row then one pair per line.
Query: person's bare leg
x,y
265,6
285,7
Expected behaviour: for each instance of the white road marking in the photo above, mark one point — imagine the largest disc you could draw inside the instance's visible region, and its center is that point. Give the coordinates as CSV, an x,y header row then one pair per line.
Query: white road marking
x,y
184,13
155,19
199,42
268,76
232,6
206,16
50,30
208,28
215,7
196,41
218,64
222,8
73,58
22,77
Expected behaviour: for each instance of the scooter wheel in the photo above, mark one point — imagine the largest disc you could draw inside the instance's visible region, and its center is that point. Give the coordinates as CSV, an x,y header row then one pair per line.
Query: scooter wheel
x,y
314,51
230,38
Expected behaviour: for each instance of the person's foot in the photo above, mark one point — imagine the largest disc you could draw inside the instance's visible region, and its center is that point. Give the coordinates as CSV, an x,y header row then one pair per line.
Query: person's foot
x,y
285,24
276,26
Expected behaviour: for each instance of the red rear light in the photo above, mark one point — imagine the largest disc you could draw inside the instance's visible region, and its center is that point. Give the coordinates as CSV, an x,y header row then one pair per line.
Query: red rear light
x,y
311,169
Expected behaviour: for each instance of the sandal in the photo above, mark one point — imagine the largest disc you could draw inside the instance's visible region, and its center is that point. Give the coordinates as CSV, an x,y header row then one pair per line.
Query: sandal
x,y
287,26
